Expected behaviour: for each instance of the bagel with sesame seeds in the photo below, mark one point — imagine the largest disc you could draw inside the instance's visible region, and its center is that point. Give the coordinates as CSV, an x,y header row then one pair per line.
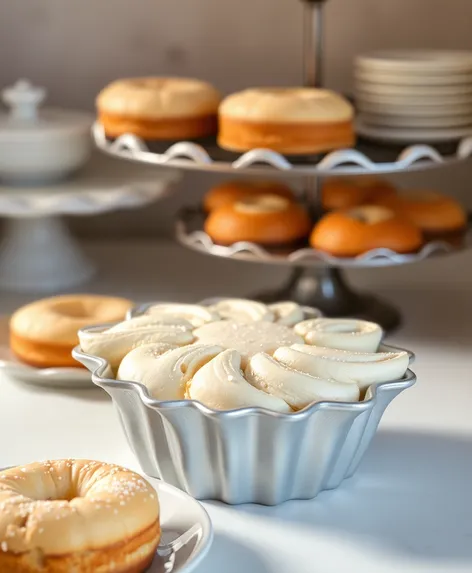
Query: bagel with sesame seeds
x,y
76,515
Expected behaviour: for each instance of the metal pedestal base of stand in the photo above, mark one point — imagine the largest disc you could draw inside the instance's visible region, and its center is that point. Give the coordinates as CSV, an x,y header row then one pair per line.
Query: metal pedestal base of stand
x,y
38,254
327,290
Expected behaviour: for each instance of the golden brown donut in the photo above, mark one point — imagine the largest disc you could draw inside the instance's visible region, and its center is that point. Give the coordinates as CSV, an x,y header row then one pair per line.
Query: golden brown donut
x,y
344,192
268,220
230,192
355,231
43,333
431,211
76,515
158,108
287,120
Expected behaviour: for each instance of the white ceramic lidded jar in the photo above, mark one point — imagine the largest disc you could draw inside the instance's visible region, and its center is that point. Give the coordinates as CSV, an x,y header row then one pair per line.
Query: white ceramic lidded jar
x,y
40,146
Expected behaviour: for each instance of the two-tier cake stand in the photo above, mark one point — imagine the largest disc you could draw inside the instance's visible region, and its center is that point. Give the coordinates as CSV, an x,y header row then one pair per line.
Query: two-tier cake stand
x,y
317,278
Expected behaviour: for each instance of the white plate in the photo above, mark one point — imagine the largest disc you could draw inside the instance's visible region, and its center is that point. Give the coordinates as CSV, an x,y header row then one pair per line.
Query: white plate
x,y
417,61
401,99
52,377
414,135
186,529
404,79
187,532
414,110
427,92
417,121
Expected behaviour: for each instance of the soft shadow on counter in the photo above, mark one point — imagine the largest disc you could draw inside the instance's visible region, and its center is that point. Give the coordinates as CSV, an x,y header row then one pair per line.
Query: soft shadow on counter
x,y
411,495
230,556
92,394
428,314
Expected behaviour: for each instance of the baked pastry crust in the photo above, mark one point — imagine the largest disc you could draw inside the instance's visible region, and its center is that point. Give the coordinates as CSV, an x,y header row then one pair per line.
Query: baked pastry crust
x,y
288,120
353,232
160,129
159,108
267,220
230,192
433,212
343,192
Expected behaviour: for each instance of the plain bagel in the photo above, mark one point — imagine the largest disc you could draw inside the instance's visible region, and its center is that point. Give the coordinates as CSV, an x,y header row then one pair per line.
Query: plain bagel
x,y
351,232
43,333
159,108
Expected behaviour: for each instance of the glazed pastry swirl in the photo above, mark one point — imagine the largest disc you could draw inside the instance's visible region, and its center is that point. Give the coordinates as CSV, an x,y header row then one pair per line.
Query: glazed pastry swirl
x,y
341,333
239,353
114,343
296,387
288,313
194,314
164,370
363,368
221,385
242,310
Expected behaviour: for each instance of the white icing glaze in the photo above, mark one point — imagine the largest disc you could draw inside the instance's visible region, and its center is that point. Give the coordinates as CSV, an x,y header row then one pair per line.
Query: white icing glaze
x,y
195,314
165,372
342,333
296,388
243,310
364,368
114,343
220,384
287,312
247,339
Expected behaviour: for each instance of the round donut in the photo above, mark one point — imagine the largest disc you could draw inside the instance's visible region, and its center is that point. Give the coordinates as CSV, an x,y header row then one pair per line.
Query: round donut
x,y
159,108
288,120
353,232
344,192
431,211
230,192
43,333
76,515
268,220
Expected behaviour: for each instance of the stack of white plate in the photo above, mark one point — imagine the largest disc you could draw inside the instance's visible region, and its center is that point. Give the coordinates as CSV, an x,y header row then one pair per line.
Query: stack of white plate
x,y
414,96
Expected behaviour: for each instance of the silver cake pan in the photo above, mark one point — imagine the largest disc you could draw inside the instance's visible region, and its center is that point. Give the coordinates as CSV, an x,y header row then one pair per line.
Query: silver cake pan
x,y
250,455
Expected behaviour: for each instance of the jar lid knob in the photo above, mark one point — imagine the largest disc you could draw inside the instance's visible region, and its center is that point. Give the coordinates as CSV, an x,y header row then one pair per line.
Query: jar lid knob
x,y
23,99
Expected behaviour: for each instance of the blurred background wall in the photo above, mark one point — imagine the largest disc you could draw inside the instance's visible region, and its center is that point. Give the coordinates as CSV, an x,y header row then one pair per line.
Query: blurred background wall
x,y
74,47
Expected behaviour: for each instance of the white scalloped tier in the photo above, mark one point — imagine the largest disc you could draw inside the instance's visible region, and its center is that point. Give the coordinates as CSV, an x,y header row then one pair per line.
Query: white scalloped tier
x,y
104,184
189,155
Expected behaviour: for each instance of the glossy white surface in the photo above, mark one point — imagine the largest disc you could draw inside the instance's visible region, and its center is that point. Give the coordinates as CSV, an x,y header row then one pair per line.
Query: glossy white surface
x,y
408,507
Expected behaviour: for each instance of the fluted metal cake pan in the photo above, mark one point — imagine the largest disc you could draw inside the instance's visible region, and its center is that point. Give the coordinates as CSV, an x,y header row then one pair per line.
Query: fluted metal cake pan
x,y
249,455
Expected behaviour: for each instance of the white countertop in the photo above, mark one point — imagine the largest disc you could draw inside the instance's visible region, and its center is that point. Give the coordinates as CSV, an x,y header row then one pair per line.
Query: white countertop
x,y
409,507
